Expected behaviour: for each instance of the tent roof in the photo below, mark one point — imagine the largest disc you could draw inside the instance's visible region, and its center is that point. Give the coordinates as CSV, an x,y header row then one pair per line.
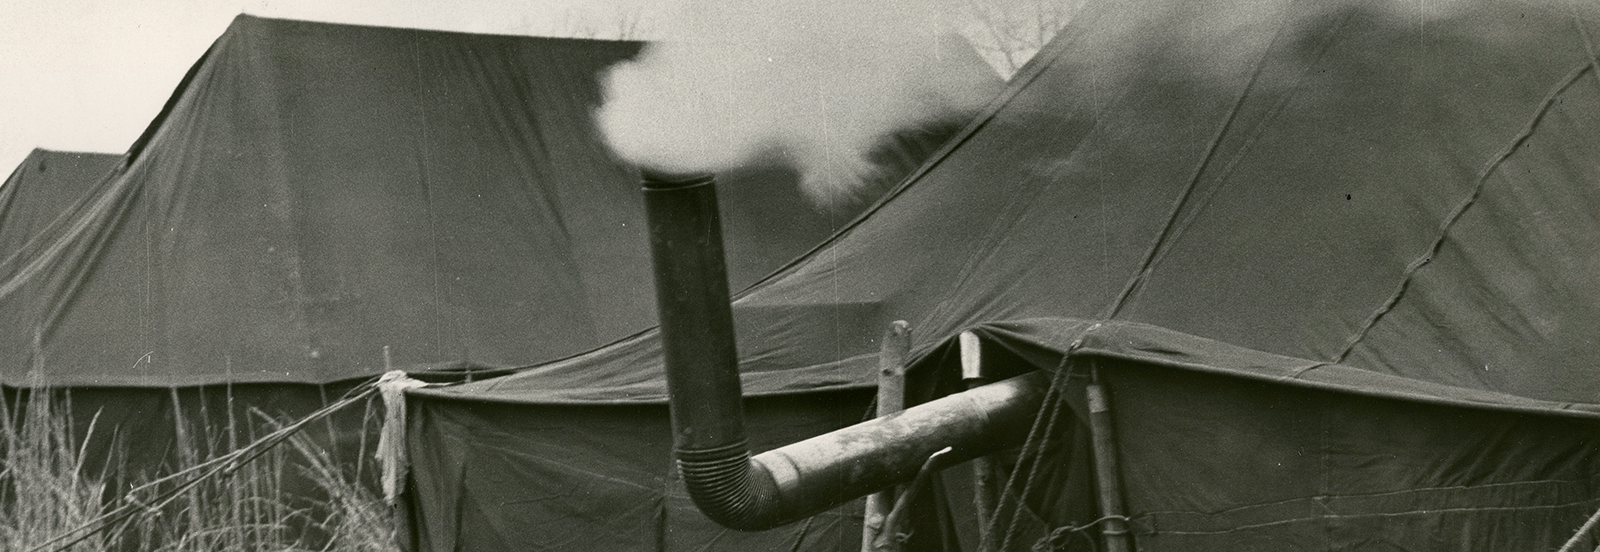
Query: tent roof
x,y
1400,201
319,202
45,186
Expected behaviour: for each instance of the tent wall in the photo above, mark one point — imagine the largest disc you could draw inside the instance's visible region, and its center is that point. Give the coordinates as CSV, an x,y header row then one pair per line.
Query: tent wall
x,y
1218,463
573,477
1274,454
1252,460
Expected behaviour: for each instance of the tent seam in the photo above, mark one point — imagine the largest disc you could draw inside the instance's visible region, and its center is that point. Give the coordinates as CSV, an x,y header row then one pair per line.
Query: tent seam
x,y
1019,82
1408,275
1212,147
1588,42
994,235
1251,138
444,317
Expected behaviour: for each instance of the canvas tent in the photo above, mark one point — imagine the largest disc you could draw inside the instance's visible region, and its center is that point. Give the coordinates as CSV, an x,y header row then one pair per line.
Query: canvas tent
x,y
319,203
315,192
1335,263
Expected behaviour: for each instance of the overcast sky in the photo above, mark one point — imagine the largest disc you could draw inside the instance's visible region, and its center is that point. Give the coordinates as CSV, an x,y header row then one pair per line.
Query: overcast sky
x,y
88,75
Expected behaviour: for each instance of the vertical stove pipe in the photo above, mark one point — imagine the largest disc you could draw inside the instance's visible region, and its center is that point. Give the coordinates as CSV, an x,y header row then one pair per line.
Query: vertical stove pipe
x,y
692,293
802,479
697,335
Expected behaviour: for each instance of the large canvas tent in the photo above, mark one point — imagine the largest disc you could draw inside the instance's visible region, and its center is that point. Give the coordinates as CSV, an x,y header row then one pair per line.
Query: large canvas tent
x,y
314,193
1335,263
319,203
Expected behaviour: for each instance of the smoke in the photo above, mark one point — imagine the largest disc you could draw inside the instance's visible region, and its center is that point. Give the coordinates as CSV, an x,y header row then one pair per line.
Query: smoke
x,y
819,83
822,83
1220,39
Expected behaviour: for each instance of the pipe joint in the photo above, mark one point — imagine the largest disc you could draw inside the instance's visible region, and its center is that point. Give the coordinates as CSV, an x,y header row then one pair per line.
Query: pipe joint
x,y
729,488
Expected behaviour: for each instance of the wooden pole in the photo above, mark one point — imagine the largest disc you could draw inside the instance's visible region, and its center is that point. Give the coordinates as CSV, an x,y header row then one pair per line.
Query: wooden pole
x,y
891,371
983,484
1114,525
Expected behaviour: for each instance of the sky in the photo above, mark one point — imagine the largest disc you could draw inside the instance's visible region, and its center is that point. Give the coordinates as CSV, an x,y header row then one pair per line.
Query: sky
x,y
89,75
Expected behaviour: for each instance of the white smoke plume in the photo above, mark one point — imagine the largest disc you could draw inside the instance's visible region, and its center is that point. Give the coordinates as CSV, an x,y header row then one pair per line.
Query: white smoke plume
x,y
817,82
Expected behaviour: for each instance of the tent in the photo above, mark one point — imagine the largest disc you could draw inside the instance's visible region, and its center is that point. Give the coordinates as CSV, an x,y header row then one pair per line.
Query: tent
x,y
319,203
1334,263
44,186
314,193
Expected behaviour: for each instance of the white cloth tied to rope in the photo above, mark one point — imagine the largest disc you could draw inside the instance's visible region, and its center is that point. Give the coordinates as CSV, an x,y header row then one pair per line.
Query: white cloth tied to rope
x,y
392,439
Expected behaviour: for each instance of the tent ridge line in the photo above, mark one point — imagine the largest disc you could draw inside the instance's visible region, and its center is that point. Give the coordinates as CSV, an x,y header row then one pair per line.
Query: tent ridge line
x,y
1408,275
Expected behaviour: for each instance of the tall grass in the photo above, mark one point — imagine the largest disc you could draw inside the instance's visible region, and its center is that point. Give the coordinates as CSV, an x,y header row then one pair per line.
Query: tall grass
x,y
43,487
48,488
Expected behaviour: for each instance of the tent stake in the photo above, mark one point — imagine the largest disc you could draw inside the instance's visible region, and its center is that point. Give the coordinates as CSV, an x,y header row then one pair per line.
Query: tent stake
x,y
1113,525
891,369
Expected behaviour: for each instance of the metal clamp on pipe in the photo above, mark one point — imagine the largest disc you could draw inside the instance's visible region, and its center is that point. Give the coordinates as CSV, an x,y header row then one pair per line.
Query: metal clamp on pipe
x,y
805,478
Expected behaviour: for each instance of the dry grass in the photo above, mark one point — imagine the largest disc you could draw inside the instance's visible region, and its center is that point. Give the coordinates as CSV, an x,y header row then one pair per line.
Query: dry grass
x,y
43,487
49,496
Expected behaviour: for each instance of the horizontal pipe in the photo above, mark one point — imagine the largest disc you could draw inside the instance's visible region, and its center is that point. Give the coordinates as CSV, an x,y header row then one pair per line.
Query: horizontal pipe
x,y
825,471
805,478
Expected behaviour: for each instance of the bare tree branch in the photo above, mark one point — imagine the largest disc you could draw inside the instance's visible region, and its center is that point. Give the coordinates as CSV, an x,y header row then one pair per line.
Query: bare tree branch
x,y
1009,32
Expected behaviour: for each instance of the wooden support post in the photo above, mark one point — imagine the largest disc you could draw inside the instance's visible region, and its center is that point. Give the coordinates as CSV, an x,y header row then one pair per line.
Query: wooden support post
x,y
983,484
1114,524
892,353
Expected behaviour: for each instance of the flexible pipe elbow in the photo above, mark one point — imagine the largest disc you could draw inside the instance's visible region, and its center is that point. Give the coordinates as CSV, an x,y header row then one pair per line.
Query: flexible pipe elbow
x,y
731,489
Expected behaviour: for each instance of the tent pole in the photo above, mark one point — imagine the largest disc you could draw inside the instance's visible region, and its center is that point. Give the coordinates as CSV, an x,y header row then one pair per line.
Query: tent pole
x,y
1113,523
892,353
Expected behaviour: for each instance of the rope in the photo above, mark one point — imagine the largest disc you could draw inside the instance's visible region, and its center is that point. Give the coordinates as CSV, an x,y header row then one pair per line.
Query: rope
x,y
1032,454
118,518
1572,543
1057,539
